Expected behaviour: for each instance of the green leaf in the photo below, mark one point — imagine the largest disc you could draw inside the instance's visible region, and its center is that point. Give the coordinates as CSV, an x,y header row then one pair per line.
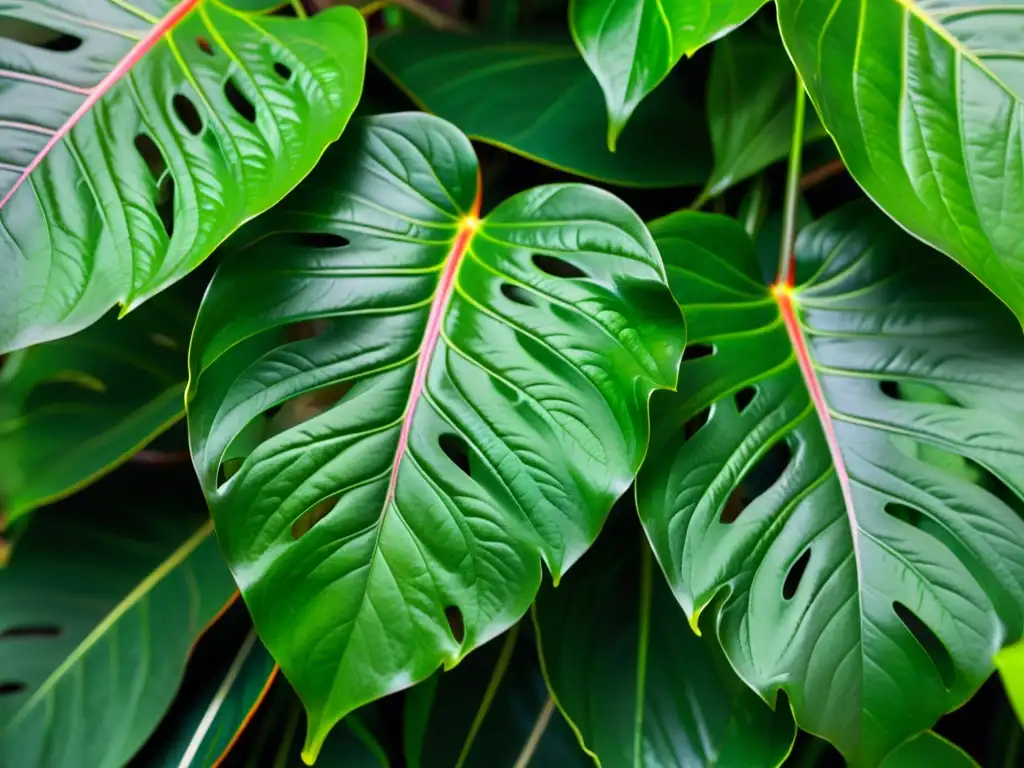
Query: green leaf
x,y
924,100
640,688
74,409
536,98
493,377
135,138
931,750
99,609
1010,662
785,488
631,45
493,709
751,95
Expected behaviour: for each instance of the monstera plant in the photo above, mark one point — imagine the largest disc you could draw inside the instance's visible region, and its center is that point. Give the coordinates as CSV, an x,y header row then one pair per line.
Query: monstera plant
x,y
630,384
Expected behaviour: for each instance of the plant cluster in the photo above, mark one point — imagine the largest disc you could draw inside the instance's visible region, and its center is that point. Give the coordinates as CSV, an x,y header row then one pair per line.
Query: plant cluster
x,y
612,382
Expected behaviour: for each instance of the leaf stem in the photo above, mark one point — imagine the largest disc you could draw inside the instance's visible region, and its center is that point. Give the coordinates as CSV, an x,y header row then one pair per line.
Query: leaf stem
x,y
500,667
300,10
641,655
785,275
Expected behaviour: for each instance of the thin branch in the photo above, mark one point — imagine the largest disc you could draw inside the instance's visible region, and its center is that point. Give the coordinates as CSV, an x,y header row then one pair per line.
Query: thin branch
x,y
825,172
160,458
785,274
536,734
433,17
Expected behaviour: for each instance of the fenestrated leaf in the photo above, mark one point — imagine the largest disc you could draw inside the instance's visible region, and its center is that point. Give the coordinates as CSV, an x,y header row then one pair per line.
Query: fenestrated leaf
x,y
751,96
869,584
612,634
73,409
536,98
493,378
929,749
631,45
493,709
925,99
99,608
135,138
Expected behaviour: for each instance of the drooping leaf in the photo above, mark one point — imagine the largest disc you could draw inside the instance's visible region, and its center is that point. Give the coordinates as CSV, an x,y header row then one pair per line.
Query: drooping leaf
x,y
925,99
612,634
99,608
751,96
483,389
931,750
536,98
850,571
74,409
631,45
493,709
135,138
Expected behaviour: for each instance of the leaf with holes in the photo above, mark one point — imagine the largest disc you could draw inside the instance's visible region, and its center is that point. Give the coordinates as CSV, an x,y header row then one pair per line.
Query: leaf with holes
x,y
925,99
461,400
99,609
631,45
73,409
611,635
795,483
135,138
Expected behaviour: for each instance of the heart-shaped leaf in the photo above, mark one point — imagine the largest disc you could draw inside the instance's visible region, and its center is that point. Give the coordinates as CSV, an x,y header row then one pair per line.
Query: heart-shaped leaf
x,y
631,45
135,138
536,98
800,482
491,380
611,635
99,609
925,99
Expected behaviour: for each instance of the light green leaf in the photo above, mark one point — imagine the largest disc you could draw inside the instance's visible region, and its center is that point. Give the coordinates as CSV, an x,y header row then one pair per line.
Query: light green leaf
x,y
631,45
135,138
99,609
931,750
785,495
639,686
924,100
483,388
1010,662
536,98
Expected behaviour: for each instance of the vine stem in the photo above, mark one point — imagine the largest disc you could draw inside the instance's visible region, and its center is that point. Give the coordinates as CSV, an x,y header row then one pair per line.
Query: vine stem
x,y
786,273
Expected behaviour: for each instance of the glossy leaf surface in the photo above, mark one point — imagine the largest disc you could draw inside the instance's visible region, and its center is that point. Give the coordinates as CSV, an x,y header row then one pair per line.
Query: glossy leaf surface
x,y
536,98
1010,662
799,477
924,99
612,634
631,45
99,609
482,390
73,409
135,138
929,749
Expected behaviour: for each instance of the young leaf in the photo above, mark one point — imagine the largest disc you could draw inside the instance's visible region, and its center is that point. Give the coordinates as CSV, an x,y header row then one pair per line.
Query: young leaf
x,y
135,138
74,409
929,749
481,394
870,585
640,688
536,98
924,100
631,45
99,610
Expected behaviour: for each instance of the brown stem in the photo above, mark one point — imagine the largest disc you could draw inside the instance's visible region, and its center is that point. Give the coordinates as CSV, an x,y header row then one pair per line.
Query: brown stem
x,y
160,458
822,173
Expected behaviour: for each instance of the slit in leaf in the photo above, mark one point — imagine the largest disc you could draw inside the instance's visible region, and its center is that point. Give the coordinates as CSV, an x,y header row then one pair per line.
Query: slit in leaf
x,y
165,203
455,622
7,689
312,516
758,479
239,102
31,631
37,35
745,397
697,351
188,114
151,155
454,448
321,240
908,515
282,71
557,267
204,45
928,641
693,426
796,573
516,294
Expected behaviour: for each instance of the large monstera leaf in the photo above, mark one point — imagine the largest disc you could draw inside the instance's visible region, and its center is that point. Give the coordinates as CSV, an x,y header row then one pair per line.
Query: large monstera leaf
x,y
925,99
135,137
839,476
478,391
631,45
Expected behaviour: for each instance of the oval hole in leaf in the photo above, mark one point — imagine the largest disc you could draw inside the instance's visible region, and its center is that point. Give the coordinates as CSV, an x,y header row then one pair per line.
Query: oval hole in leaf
x,y
455,622
152,156
796,573
321,240
745,397
6,689
757,480
556,267
516,294
697,351
930,642
187,113
38,36
282,71
902,512
313,515
165,203
204,46
31,631
454,448
239,102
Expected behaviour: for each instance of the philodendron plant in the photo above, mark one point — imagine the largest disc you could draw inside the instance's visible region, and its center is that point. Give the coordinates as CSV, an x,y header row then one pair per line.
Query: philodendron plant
x,y
631,384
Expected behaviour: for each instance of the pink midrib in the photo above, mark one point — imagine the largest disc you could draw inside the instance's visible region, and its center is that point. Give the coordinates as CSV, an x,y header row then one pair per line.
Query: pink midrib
x,y
432,334
96,93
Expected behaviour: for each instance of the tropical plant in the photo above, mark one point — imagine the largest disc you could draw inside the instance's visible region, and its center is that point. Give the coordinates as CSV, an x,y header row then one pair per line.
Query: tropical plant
x,y
602,382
